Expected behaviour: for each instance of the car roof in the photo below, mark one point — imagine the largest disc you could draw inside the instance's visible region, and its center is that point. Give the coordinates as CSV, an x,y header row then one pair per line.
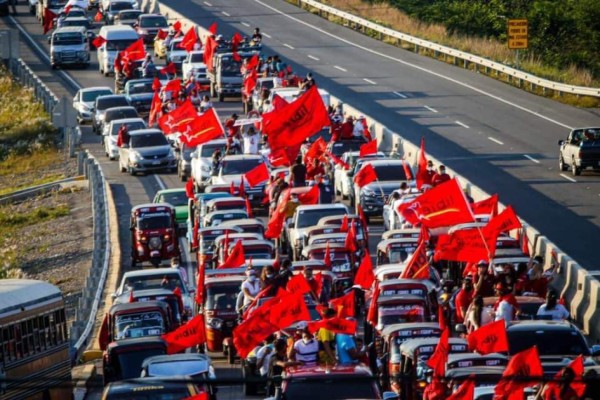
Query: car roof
x,y
244,222
387,161
152,272
537,325
455,357
384,300
389,282
132,342
94,88
221,212
337,369
152,205
411,345
241,157
146,131
17,293
115,109
175,357
152,15
145,385
127,120
111,96
67,29
176,190
115,308
321,207
224,199
389,329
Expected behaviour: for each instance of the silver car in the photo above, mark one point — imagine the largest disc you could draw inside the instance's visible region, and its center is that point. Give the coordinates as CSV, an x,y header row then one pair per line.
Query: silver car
x,y
85,100
148,150
111,133
69,46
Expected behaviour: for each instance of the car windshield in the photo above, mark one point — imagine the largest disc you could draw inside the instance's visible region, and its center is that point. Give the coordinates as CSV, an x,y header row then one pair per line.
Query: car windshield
x,y
154,221
222,297
138,325
148,140
403,313
175,45
197,58
110,102
230,67
339,148
154,22
129,14
89,96
76,22
119,5
130,362
389,173
310,217
131,126
120,114
331,389
186,153
208,149
64,39
397,255
142,87
167,281
56,3
237,167
114,45
175,199
548,342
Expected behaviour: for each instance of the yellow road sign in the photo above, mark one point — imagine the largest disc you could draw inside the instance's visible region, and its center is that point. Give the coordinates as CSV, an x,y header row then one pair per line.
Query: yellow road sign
x,y
518,36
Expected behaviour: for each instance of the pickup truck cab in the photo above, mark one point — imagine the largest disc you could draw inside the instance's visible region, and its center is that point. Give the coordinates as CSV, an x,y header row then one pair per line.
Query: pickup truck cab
x,y
581,150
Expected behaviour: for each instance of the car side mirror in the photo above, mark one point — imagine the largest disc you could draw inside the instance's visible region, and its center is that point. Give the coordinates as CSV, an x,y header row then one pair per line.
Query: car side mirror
x,y
595,350
460,328
194,154
348,173
561,142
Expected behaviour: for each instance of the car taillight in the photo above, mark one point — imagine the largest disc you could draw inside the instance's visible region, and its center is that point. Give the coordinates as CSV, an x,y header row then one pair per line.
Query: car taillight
x,y
167,237
143,239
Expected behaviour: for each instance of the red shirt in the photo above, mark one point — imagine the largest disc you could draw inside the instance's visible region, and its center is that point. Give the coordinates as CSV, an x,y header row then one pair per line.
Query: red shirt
x,y
439,178
231,130
463,300
347,130
314,171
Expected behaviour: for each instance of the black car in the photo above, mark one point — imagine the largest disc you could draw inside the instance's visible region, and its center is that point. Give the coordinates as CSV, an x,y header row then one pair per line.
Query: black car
x,y
151,389
123,359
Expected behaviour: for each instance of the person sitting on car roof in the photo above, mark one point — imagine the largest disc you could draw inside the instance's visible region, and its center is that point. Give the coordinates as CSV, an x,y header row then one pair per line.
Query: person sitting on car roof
x,y
347,128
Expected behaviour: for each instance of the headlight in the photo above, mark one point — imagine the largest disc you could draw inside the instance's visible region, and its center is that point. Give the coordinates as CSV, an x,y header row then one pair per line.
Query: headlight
x,y
143,32
135,156
82,53
215,323
101,117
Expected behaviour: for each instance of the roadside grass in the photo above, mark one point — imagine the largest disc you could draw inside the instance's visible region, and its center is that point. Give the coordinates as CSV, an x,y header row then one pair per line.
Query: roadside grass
x,y
388,16
21,171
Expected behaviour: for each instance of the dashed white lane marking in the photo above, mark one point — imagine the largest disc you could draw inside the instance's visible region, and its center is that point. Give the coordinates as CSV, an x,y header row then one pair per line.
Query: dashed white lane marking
x,y
246,24
462,124
313,57
340,68
225,13
567,177
433,110
370,81
401,95
208,4
160,182
267,35
495,140
527,156
288,46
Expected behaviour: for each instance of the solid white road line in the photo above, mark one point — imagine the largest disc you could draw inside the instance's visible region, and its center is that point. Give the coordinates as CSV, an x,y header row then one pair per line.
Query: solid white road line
x,y
313,57
225,13
431,109
160,182
340,68
267,35
495,140
462,124
246,24
208,4
567,177
531,158
370,81
288,46
400,95
439,75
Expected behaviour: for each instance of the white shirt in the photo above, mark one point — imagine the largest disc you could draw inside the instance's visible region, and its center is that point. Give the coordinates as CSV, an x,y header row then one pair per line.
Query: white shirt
x,y
559,312
251,144
359,129
504,311
307,353
253,288
262,352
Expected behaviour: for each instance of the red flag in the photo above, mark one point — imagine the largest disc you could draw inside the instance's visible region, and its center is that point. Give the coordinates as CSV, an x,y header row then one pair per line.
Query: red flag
x,y
344,226
226,243
203,128
338,161
298,284
407,171
49,17
316,150
209,51
98,16
439,358
177,26
490,338
319,279
254,329
278,102
422,174
444,205
466,391
327,256
336,325
577,385
253,62
344,305
365,176
257,175
372,313
525,243
291,308
279,158
242,188
235,42
442,318
135,51
350,241
232,188
213,28
292,124
275,225
200,284
189,188
156,85
98,41
189,39
366,131
249,208
505,221
179,119
186,336
488,206
418,265
161,34
236,258
199,396
174,86
365,276
368,148
525,364
131,297
171,69
310,197
250,81
466,245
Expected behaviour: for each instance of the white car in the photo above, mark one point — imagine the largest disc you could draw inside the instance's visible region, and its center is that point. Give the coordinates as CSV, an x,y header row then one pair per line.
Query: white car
x,y
392,219
111,132
135,5
343,177
84,101
233,167
202,161
194,64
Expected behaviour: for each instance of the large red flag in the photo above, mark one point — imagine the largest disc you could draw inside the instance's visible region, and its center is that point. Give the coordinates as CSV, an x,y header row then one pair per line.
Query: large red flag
x,y
292,308
310,197
365,275
444,205
298,284
279,158
316,150
577,385
200,283
203,128
278,102
250,81
189,188
135,51
418,265
336,325
178,119
199,396
422,175
368,148
236,258
209,51
154,109
466,391
257,175
525,364
350,241
365,176
372,313
490,338
213,28
254,329
300,119
439,358
188,335
487,206
235,42
189,39
338,161
49,17
98,41
344,305
505,221
466,245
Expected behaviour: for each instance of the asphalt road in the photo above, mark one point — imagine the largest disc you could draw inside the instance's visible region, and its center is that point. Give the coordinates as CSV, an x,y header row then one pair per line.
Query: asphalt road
x,y
502,139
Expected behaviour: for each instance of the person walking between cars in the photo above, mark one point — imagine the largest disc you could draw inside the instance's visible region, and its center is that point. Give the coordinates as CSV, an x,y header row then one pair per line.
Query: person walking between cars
x,y
148,67
463,299
123,136
326,193
278,362
250,287
298,173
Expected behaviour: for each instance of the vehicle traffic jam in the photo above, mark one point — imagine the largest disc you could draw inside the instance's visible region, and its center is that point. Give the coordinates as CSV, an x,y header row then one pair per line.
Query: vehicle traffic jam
x,y
326,267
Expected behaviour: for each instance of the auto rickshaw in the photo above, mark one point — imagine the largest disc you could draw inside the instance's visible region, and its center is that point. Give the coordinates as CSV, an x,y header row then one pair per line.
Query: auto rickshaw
x,y
393,271
215,218
327,238
465,360
206,240
132,320
249,225
401,309
414,354
218,247
123,359
153,234
178,314
194,221
257,249
362,235
417,287
222,204
482,376
393,251
342,264
409,233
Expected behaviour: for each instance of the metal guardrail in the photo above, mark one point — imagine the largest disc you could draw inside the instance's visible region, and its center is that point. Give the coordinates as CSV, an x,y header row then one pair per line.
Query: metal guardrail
x,y
85,316
467,58
28,78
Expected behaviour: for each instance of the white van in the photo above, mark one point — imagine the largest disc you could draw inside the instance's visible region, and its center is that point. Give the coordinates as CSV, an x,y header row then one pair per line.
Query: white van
x,y
118,38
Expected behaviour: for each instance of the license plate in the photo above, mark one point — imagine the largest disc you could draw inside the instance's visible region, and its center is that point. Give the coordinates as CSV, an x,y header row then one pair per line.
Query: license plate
x,y
156,162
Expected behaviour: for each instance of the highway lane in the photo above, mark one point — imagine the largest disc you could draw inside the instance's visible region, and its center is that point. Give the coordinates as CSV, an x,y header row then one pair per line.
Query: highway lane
x,y
501,138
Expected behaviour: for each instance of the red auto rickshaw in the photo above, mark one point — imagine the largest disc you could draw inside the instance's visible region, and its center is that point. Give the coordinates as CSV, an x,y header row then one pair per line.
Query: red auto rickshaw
x,y
153,234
